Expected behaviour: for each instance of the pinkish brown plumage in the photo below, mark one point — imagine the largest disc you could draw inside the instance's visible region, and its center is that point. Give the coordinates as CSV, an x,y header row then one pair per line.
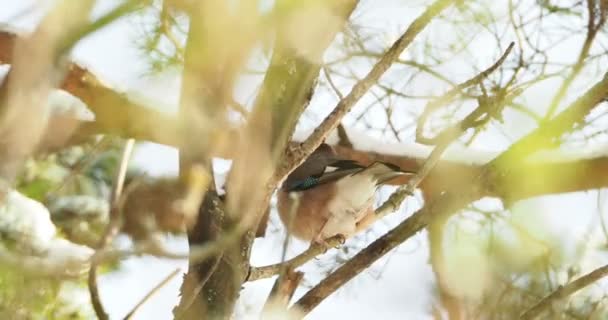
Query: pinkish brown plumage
x,y
327,196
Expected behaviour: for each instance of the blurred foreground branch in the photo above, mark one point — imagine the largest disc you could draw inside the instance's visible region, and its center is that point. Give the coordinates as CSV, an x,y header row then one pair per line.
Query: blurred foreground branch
x,y
112,229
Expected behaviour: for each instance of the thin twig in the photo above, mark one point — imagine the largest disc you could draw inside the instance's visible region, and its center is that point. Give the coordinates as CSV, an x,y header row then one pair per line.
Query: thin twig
x,y
257,273
78,34
404,230
452,93
112,228
343,139
600,211
363,260
592,30
446,203
563,292
82,164
443,140
282,291
332,84
151,293
362,86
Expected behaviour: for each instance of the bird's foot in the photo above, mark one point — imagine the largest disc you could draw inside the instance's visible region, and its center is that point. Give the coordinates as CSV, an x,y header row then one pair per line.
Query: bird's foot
x,y
341,238
328,243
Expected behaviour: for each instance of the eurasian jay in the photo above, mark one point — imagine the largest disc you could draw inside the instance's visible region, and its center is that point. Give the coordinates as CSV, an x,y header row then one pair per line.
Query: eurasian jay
x,y
327,196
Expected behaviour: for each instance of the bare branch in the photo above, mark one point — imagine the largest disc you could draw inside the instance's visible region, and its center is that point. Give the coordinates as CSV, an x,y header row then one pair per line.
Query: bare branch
x,y
282,291
592,28
446,203
452,93
34,70
546,136
151,293
343,107
257,273
112,228
363,260
563,292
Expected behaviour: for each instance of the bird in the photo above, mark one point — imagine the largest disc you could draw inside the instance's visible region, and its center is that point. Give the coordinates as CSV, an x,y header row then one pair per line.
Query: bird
x,y
328,196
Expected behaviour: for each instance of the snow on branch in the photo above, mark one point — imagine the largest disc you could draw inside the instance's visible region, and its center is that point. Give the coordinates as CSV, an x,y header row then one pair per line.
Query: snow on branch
x,y
31,242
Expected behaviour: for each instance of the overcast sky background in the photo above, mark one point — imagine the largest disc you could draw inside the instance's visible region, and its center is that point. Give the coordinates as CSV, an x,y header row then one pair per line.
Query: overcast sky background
x,y
398,286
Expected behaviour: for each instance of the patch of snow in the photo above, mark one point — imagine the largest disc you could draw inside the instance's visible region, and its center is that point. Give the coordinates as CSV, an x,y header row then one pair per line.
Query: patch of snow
x,y
82,205
362,141
27,223
25,220
63,103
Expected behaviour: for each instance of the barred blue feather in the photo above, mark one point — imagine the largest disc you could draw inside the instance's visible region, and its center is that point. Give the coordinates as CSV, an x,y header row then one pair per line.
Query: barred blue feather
x,y
307,183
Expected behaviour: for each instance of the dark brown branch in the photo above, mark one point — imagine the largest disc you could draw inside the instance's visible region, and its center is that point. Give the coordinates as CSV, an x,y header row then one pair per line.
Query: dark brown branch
x,y
343,139
7,45
563,292
282,291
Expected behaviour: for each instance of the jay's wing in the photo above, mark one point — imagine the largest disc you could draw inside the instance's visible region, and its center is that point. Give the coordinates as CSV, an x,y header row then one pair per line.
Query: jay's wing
x,y
334,171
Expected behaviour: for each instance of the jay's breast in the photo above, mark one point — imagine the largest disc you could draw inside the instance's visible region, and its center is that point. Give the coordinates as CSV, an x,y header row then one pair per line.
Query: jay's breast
x,y
335,208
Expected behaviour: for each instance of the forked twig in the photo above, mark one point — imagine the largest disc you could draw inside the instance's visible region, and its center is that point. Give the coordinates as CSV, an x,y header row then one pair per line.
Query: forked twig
x,y
257,273
151,293
404,230
111,230
563,292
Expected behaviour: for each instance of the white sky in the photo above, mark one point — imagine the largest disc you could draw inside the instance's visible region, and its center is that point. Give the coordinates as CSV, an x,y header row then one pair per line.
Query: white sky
x,y
404,289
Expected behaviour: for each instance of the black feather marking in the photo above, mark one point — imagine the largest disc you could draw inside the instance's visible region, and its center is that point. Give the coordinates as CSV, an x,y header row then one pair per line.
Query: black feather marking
x,y
343,168
346,164
391,165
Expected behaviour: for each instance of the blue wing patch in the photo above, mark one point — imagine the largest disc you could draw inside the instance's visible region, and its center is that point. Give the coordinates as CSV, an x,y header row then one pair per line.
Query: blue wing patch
x,y
307,183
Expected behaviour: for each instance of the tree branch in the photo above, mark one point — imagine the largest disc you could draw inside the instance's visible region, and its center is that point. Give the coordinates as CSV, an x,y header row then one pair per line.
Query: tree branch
x,y
315,249
328,285
446,203
111,230
563,292
286,90
151,293
452,93
592,28
364,259
282,291
35,70
298,155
